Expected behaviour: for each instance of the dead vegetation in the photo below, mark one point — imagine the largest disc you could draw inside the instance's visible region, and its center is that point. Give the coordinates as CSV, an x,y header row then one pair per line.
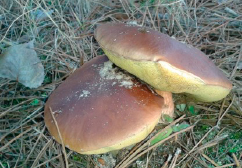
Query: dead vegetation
x,y
62,31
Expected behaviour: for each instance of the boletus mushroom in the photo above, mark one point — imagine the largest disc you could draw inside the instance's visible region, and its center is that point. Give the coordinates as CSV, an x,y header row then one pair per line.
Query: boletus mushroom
x,y
163,62
99,109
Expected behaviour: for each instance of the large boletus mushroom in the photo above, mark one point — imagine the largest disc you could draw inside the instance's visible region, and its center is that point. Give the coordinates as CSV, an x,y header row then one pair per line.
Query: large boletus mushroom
x,y
163,62
99,109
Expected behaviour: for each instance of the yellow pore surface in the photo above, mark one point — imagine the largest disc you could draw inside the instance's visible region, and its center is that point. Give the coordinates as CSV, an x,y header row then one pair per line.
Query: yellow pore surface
x,y
163,76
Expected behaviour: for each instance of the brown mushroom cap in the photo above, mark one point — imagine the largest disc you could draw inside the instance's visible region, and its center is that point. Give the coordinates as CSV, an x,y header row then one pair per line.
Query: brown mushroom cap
x,y
162,61
97,112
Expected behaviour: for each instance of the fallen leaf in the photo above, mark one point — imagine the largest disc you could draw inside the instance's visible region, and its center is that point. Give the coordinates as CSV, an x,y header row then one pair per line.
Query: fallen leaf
x,y
167,118
162,135
20,62
181,107
179,127
192,110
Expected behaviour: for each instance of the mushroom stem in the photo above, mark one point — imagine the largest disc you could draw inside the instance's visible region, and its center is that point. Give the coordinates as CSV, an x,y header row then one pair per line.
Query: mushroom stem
x,y
168,102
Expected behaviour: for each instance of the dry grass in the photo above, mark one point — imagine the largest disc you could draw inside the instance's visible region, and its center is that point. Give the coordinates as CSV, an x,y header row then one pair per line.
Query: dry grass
x,y
64,41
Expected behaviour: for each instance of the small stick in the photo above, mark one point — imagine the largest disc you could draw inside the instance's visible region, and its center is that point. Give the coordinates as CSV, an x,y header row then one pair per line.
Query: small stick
x,y
227,165
210,160
168,160
237,62
236,161
17,137
62,144
128,157
130,160
173,162
49,143
220,112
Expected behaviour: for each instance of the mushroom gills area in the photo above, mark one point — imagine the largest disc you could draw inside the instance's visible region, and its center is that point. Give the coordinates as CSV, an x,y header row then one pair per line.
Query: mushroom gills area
x,y
163,76
99,110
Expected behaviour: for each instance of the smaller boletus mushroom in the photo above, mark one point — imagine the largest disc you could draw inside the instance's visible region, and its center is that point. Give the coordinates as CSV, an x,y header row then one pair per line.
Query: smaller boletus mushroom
x,y
163,62
99,109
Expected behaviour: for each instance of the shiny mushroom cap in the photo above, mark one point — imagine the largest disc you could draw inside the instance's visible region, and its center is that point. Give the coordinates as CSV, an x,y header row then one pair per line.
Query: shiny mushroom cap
x,y
163,62
100,109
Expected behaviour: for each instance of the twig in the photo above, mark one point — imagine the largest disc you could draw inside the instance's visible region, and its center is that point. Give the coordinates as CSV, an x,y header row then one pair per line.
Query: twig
x,y
193,149
130,160
148,142
237,62
210,160
168,160
33,148
44,163
227,165
173,162
221,109
236,161
15,21
41,152
25,122
17,137
62,143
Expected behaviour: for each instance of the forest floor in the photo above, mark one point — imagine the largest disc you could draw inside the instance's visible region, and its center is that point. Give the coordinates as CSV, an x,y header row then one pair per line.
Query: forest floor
x,y
62,34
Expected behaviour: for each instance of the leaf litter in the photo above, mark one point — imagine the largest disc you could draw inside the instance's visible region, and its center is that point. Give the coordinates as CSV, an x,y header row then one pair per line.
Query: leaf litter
x,y
67,34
